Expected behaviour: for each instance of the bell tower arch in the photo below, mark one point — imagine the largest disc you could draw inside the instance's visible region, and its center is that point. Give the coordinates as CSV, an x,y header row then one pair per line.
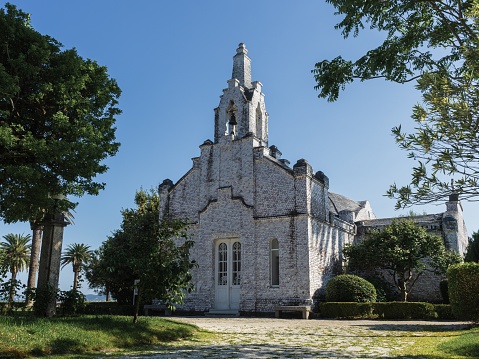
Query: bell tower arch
x,y
242,110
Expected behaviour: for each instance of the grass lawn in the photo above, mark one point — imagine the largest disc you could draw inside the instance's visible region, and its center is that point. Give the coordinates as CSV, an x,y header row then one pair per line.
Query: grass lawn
x,y
443,345
29,336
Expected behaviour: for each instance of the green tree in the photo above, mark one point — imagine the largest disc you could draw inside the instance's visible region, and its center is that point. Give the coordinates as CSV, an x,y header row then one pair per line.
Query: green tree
x,y
435,44
76,254
57,116
404,250
16,251
111,271
97,274
472,252
153,251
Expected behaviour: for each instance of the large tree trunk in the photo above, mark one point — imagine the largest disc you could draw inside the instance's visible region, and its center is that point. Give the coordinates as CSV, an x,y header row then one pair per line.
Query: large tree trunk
x,y
34,258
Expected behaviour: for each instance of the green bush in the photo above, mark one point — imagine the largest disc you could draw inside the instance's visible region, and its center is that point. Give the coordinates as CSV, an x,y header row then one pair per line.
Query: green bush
x,y
350,288
464,290
344,310
71,302
405,310
444,288
444,311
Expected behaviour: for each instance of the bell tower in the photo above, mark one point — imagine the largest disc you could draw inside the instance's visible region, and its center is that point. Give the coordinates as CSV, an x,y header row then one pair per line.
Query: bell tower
x,y
242,110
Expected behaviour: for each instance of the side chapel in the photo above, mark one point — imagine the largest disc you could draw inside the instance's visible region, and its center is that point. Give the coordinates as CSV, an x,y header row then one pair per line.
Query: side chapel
x,y
267,233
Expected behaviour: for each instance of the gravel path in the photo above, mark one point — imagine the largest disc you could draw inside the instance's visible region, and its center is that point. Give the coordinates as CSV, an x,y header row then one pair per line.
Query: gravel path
x,y
296,338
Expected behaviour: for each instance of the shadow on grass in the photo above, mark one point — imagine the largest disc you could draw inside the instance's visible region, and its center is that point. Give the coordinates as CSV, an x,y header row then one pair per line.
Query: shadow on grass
x,y
76,335
414,327
145,331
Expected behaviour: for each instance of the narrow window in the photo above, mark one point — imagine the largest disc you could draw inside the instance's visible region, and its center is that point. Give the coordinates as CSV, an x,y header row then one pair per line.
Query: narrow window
x,y
222,264
236,263
274,262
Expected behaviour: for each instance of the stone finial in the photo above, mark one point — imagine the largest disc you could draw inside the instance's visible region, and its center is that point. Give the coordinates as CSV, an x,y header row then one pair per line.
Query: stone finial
x,y
241,49
275,152
242,66
166,185
321,177
302,167
207,142
301,163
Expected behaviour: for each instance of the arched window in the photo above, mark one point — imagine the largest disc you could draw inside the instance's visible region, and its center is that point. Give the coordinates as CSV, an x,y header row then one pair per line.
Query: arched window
x,y
274,260
231,119
222,264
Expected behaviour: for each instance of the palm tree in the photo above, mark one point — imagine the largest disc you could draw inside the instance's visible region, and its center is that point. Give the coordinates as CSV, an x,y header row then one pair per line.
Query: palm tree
x,y
16,249
77,254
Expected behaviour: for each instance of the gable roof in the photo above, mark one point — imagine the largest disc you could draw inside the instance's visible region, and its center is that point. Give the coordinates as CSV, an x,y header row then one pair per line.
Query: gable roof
x,y
338,203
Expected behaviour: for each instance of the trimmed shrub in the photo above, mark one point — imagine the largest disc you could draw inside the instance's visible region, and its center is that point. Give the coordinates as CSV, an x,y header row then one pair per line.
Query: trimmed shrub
x,y
444,311
350,288
405,310
344,310
464,290
444,288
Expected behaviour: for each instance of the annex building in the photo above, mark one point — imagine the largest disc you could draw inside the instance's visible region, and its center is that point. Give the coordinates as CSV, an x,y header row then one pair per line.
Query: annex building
x,y
267,233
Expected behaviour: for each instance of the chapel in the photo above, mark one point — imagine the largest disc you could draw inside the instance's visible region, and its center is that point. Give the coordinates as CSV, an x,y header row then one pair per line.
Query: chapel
x,y
266,233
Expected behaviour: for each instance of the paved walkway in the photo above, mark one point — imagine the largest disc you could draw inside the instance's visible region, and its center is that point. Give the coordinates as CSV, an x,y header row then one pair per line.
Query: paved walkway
x,y
296,338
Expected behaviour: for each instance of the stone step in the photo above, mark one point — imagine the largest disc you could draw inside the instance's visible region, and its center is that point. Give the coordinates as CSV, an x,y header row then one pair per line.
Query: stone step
x,y
214,313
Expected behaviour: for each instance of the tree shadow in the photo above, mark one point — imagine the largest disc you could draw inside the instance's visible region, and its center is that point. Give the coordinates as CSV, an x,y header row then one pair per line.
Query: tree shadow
x,y
418,327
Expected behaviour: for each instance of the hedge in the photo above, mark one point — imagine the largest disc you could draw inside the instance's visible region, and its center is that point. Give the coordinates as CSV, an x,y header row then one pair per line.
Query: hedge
x,y
388,310
463,280
405,310
346,310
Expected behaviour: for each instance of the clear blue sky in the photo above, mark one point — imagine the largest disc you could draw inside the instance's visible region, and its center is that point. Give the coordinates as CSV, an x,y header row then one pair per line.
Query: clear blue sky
x,y
172,59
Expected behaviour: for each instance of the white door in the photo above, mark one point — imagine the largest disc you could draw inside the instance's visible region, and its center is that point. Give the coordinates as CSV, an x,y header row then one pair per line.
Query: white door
x,y
228,274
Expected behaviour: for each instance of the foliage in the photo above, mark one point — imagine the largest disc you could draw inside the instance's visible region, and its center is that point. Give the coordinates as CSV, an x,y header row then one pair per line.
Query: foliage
x,y
8,287
385,291
71,302
76,254
472,251
385,310
41,298
444,289
149,249
97,273
57,116
405,310
464,290
111,269
346,310
434,43
444,311
85,336
404,250
350,288
16,250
